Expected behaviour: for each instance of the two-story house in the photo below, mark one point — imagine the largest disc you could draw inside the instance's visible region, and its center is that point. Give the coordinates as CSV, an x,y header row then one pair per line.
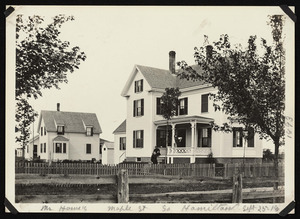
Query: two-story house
x,y
191,137
68,136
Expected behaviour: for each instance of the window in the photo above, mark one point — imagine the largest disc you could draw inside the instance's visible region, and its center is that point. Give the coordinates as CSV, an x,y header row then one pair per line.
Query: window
x,y
138,137
44,147
88,148
138,107
250,137
122,143
60,130
41,131
138,159
58,148
89,131
237,137
138,86
204,137
41,148
158,106
161,137
45,131
204,103
183,106
61,148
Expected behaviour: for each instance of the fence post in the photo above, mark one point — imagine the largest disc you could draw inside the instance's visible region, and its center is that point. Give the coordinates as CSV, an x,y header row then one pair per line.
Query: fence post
x,y
237,196
225,170
123,186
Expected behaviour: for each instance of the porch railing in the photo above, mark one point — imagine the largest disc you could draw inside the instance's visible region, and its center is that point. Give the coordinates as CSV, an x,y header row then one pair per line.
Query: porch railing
x,y
188,151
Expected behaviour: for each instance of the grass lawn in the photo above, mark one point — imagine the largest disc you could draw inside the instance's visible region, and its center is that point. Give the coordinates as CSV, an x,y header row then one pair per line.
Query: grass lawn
x,y
90,188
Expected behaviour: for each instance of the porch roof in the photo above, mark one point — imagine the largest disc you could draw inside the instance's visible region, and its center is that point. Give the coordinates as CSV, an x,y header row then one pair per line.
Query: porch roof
x,y
185,119
60,138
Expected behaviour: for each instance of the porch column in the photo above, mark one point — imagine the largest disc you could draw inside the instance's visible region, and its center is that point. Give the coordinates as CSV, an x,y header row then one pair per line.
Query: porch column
x,y
173,135
193,134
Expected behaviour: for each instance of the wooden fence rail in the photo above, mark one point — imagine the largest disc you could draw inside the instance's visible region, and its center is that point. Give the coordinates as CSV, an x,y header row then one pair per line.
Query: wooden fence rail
x,y
136,169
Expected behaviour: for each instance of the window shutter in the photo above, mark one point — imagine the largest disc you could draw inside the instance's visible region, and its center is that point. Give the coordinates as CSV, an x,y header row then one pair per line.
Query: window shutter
x,y
141,85
142,106
134,139
204,103
135,87
120,143
142,137
234,137
186,105
158,111
92,131
64,148
63,130
134,105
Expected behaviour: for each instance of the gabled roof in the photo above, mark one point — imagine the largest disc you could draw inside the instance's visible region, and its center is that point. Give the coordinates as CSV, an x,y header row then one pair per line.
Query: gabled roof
x,y
161,79
72,121
121,128
60,138
103,140
157,78
109,145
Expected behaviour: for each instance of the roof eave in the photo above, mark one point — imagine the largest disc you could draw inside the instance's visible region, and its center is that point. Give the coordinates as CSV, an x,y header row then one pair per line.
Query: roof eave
x,y
129,81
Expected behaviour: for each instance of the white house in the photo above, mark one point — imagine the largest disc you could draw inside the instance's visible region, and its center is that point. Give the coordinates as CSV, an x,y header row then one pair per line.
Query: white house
x,y
191,137
108,153
68,136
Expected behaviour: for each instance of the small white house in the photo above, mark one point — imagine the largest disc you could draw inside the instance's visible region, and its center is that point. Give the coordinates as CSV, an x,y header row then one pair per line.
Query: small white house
x,y
68,136
108,153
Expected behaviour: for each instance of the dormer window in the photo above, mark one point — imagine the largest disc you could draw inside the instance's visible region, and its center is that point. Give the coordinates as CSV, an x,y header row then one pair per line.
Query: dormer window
x,y
60,130
89,131
138,86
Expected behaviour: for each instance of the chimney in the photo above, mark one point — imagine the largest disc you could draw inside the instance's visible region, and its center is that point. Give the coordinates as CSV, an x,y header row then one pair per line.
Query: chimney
x,y
58,106
209,50
172,61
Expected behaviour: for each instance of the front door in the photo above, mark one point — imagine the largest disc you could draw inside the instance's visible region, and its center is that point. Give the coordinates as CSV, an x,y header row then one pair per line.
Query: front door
x,y
34,151
181,137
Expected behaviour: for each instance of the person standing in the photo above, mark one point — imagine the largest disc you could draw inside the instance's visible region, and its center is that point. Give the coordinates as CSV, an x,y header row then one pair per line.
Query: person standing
x,y
155,155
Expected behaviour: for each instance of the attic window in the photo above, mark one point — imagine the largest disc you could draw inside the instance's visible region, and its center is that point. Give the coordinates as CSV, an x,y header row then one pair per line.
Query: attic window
x,y
60,130
138,86
89,131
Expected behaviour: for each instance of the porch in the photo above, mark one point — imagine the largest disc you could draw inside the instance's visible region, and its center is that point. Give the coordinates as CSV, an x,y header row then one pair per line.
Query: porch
x,y
187,137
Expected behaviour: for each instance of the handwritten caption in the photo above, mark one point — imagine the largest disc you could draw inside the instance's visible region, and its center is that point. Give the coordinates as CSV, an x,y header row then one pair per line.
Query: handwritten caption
x,y
193,208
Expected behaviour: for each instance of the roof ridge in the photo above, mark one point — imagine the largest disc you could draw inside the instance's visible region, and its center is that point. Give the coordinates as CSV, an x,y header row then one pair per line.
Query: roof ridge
x,y
64,111
154,68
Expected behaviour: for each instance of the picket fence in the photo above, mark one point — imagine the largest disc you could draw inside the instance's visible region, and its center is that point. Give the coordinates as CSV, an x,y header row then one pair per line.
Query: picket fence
x,y
138,169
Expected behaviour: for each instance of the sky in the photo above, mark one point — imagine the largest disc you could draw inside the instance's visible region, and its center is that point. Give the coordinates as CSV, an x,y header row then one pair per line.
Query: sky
x,y
116,38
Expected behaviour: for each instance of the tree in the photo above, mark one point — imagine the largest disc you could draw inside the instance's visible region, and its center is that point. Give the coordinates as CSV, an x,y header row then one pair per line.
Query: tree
x,y
268,155
169,106
42,61
251,85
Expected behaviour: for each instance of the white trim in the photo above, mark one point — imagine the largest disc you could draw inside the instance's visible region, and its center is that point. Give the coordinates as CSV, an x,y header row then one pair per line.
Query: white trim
x,y
129,81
